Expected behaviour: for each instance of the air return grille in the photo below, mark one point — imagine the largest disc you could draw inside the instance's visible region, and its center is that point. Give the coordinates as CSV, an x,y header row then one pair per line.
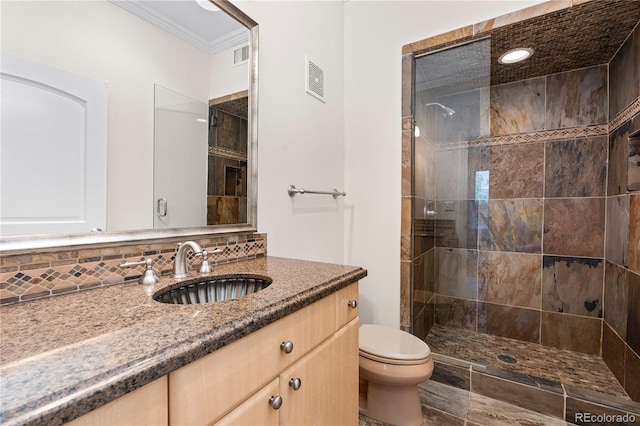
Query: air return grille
x,y
241,55
314,79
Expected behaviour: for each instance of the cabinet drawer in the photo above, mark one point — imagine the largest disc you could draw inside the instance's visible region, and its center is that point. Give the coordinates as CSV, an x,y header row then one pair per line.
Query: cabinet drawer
x,y
203,391
344,310
255,410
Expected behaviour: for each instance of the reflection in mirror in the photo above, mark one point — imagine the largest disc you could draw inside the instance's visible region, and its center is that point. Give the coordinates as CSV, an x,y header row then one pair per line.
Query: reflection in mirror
x,y
180,160
129,56
54,127
227,183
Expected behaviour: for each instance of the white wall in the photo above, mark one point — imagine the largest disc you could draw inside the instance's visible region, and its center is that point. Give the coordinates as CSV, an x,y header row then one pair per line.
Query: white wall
x,y
227,78
375,32
352,141
300,139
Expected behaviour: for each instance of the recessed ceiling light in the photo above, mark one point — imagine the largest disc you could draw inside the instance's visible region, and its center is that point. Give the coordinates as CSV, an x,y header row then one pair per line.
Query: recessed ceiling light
x,y
515,55
207,5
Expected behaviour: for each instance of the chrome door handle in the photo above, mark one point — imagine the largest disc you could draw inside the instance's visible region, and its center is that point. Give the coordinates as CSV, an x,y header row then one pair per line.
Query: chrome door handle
x,y
161,207
295,383
275,402
286,347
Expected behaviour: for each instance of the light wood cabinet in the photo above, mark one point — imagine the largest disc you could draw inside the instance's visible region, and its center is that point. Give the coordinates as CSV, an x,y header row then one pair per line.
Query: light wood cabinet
x,y
346,305
234,385
321,388
327,369
144,406
203,391
328,383
255,410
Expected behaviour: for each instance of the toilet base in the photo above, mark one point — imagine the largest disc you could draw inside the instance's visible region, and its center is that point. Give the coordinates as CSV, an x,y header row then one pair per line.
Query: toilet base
x,y
397,405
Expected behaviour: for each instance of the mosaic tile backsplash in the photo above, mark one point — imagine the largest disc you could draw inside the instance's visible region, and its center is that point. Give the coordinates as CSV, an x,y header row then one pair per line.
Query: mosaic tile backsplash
x,y
30,276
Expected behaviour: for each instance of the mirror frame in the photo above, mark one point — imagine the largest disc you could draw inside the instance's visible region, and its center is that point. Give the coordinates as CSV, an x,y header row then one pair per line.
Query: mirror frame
x,y
30,243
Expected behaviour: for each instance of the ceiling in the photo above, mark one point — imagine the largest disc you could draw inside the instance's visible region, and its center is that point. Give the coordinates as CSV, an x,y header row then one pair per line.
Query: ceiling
x,y
580,36
211,32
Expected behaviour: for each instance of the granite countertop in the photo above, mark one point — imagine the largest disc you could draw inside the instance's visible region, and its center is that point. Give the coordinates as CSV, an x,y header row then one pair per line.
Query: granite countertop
x,y
64,356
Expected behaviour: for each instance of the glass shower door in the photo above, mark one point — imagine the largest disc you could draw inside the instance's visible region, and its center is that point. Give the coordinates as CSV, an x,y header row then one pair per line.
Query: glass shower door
x,y
450,188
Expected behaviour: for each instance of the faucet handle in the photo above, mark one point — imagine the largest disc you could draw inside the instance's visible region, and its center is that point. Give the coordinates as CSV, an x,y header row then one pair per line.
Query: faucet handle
x,y
149,277
206,267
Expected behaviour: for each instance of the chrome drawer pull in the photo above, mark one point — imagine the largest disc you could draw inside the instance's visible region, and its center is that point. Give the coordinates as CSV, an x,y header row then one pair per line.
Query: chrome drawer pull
x,y
275,402
286,347
295,383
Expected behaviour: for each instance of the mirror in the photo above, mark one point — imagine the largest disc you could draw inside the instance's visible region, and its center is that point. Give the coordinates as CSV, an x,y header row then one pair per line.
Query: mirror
x,y
180,160
107,43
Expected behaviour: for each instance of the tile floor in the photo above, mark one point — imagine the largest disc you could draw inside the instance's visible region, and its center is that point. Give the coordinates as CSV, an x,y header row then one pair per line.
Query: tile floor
x,y
562,366
444,405
550,368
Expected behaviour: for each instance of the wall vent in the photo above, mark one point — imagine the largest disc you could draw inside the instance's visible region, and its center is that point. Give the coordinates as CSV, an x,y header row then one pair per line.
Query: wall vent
x,y
241,55
314,79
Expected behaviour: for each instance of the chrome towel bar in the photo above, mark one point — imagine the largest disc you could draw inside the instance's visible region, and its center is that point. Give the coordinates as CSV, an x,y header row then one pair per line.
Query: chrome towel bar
x,y
292,190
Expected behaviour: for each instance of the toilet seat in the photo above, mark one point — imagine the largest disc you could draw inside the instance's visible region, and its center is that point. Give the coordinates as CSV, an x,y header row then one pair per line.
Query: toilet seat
x,y
392,361
390,345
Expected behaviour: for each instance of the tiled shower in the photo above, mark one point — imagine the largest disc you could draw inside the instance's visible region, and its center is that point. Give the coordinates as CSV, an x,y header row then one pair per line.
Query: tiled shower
x,y
524,207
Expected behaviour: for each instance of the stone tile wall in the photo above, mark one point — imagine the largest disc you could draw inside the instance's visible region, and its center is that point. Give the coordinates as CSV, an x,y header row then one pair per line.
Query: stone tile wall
x,y
526,260
560,233
621,329
46,273
555,241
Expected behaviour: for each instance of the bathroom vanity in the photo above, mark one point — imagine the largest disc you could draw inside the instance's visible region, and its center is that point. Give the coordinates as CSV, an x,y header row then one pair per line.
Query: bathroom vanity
x,y
287,354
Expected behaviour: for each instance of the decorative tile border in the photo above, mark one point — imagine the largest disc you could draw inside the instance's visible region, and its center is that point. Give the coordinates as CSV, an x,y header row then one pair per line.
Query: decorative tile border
x,y
626,114
32,276
227,153
548,135
535,137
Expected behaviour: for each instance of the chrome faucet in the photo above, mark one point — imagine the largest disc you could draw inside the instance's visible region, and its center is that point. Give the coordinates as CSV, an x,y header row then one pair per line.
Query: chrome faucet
x,y
180,269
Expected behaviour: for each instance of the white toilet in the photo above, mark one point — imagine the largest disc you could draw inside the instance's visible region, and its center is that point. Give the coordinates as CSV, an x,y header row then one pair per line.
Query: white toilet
x,y
392,364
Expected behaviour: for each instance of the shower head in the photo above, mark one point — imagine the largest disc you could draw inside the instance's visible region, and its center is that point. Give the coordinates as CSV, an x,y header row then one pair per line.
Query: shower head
x,y
448,112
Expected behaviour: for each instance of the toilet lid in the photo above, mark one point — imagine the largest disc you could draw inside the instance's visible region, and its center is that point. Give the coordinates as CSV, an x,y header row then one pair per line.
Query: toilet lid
x,y
391,343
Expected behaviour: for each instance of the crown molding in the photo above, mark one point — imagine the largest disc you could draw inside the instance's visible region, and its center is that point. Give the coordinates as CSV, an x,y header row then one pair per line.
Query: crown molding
x,y
141,10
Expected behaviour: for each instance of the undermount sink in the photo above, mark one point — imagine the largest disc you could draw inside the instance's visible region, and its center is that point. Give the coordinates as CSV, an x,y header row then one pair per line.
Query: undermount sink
x,y
212,289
